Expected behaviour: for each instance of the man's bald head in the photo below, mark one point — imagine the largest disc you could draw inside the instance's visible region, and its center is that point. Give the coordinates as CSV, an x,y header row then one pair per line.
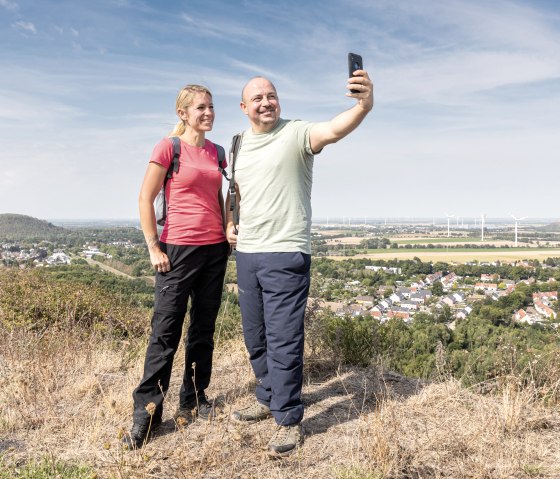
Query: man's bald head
x,y
257,80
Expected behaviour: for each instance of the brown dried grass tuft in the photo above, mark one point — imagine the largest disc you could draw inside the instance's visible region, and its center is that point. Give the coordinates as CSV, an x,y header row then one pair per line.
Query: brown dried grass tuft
x,y
69,397
448,431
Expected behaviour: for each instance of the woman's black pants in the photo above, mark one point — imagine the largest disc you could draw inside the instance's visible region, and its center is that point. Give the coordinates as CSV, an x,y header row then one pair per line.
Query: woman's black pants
x,y
198,272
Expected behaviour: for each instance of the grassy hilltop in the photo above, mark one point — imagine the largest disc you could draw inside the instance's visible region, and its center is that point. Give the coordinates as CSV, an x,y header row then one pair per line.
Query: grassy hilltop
x,y
72,353
18,227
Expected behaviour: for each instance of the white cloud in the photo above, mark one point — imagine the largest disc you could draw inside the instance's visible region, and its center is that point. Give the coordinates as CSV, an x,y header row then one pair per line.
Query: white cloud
x,y
451,77
10,6
25,26
33,109
222,28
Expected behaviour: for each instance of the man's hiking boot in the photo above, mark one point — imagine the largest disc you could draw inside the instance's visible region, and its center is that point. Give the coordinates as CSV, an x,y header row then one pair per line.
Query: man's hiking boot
x,y
285,440
201,408
254,412
140,434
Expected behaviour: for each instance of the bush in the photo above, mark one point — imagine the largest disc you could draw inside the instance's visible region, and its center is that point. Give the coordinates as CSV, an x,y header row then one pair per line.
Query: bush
x,y
351,340
33,300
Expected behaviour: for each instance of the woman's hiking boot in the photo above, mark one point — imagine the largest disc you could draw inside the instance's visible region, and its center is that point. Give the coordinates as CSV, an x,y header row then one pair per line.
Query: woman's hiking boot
x,y
200,408
140,434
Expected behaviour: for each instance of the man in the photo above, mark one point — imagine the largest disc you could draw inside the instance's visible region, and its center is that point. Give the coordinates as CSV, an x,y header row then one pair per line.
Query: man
x,y
273,176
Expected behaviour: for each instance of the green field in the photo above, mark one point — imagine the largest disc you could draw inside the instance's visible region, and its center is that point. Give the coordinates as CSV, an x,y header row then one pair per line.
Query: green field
x,y
457,255
554,251
436,240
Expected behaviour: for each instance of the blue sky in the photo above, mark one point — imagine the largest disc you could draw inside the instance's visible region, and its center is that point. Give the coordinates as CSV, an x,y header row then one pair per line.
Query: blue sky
x,y
466,120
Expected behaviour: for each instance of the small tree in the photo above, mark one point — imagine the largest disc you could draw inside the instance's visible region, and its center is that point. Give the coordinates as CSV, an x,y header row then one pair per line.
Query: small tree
x,y
437,289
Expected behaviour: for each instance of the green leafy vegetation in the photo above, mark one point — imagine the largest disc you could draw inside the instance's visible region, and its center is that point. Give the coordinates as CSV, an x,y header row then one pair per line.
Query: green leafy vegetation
x,y
135,292
28,232
47,468
479,348
35,300
18,227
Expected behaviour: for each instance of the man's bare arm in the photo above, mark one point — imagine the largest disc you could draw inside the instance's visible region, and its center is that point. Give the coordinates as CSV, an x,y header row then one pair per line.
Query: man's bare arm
x,y
325,133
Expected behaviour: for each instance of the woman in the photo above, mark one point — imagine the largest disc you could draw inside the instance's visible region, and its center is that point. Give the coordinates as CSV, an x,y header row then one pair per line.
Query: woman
x,y
190,260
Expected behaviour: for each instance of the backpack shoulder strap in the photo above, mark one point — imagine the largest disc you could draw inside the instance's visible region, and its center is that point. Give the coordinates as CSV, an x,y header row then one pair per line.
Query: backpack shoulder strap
x,y
221,154
221,159
233,151
174,166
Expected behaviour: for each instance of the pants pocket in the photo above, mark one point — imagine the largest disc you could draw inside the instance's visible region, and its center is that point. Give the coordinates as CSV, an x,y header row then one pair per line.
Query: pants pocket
x,y
299,262
170,297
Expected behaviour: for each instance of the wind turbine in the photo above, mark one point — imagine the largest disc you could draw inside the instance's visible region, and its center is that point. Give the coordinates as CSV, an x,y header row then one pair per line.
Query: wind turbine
x,y
516,220
448,218
482,217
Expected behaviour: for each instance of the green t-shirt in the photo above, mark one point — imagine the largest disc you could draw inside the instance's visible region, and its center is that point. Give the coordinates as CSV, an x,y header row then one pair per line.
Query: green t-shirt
x,y
274,173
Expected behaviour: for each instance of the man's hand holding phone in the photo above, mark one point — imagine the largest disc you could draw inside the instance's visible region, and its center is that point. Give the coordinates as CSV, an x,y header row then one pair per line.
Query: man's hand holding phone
x,y
355,63
359,83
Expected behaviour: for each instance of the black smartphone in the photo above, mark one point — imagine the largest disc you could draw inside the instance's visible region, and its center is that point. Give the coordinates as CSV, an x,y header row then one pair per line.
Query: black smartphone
x,y
354,63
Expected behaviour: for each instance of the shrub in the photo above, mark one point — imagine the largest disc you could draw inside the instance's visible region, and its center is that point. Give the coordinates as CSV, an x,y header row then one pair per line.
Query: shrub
x,y
32,300
351,340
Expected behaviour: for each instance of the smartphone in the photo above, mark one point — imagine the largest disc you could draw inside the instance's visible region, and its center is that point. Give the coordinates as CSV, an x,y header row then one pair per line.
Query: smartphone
x,y
354,63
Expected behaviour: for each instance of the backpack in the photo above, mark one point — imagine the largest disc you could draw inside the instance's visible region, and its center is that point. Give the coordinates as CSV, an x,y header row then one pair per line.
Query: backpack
x,y
160,203
233,152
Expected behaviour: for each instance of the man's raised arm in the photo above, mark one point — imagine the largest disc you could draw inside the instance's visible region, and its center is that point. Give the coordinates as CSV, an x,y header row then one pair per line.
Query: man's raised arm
x,y
322,134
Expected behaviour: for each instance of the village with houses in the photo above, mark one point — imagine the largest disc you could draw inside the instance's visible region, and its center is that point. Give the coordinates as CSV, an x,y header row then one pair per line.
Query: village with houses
x,y
404,301
14,254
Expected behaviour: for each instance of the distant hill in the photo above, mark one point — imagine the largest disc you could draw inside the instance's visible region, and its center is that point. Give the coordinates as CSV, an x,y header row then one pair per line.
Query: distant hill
x,y
552,228
22,227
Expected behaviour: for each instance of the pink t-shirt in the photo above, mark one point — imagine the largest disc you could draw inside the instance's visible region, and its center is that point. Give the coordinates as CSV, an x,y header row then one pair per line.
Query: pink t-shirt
x,y
194,216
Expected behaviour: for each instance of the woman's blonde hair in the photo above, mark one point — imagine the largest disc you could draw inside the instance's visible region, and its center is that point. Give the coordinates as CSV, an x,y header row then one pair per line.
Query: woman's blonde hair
x,y
184,100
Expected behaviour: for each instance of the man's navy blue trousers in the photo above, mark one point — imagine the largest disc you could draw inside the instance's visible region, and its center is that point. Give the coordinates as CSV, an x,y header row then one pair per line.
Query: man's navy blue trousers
x,y
273,289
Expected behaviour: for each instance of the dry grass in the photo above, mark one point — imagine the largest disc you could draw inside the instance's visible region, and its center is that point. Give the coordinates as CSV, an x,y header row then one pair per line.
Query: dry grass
x,y
70,398
447,431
